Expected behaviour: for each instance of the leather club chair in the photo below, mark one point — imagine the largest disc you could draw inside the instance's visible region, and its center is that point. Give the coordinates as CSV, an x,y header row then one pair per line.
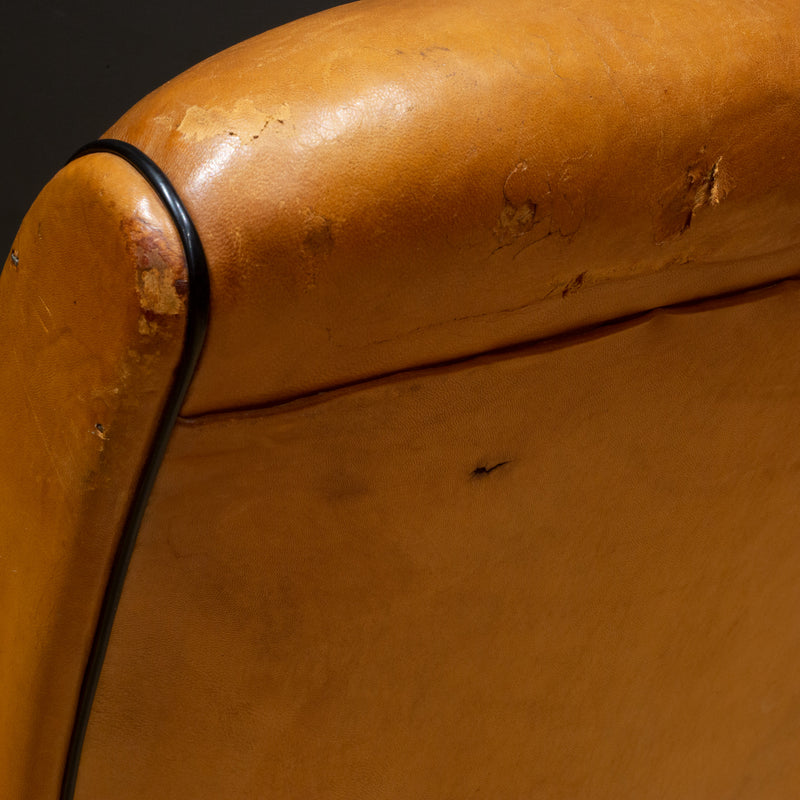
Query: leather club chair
x,y
405,403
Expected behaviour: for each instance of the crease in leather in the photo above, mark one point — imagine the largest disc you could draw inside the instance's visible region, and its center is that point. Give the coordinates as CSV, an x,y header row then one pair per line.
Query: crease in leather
x,y
567,288
560,340
341,600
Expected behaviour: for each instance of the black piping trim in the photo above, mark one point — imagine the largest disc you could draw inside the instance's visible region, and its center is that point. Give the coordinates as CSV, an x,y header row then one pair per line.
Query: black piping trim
x,y
197,314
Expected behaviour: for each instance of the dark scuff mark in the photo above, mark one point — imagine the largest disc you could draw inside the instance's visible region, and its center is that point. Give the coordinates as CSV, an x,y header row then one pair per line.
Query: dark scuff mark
x,y
573,285
428,50
317,244
14,259
482,471
318,238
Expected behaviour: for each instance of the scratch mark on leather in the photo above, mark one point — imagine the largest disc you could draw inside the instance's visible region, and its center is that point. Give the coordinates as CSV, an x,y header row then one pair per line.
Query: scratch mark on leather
x,y
428,50
46,307
530,244
606,66
465,318
550,54
482,471
573,285
38,422
703,183
41,322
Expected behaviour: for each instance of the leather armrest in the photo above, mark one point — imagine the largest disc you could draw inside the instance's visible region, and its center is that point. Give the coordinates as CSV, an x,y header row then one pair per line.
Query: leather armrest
x,y
92,322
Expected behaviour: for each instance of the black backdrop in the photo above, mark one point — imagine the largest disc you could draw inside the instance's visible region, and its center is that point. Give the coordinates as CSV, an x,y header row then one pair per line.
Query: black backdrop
x,y
70,69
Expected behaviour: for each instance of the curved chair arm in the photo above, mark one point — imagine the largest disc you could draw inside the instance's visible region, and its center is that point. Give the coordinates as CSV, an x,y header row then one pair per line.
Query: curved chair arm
x,y
386,185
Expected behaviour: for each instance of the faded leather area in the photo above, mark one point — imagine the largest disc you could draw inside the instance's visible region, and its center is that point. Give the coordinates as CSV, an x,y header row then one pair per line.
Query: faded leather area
x,y
570,571
395,183
91,323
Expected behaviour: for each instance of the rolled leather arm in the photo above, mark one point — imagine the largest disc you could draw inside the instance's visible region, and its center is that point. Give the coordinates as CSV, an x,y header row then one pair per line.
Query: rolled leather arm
x,y
390,184
92,316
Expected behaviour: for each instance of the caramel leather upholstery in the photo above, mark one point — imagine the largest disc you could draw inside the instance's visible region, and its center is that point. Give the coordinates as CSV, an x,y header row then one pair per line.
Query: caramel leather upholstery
x,y
486,483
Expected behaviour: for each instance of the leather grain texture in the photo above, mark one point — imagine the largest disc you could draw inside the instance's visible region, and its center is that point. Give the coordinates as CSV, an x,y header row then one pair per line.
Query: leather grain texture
x,y
477,491
569,572
92,299
397,183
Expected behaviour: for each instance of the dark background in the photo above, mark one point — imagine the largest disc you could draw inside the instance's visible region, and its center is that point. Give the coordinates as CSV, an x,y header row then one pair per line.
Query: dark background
x,y
70,69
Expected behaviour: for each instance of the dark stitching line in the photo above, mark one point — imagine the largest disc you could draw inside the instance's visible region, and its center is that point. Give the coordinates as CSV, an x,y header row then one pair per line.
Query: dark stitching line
x,y
197,314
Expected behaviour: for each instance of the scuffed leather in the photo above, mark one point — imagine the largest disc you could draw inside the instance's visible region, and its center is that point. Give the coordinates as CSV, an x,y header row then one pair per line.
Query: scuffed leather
x,y
397,183
92,313
565,568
